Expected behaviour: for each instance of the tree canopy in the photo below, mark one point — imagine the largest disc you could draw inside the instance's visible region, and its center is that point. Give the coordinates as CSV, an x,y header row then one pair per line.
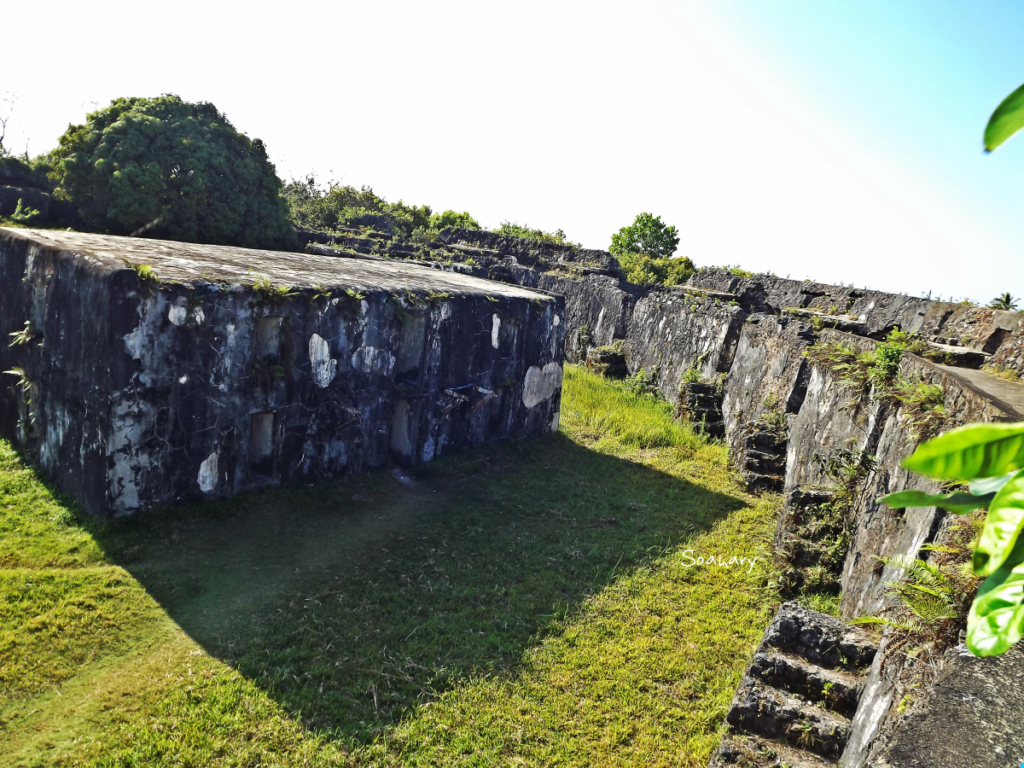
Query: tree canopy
x,y
644,250
647,235
164,167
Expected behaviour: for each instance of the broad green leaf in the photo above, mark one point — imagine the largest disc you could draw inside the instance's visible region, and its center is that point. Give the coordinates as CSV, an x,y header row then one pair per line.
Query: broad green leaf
x,y
1006,120
1002,527
989,485
977,450
996,620
960,503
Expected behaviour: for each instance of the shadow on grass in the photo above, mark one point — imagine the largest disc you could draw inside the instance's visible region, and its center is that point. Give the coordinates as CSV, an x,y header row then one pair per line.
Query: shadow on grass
x,y
352,602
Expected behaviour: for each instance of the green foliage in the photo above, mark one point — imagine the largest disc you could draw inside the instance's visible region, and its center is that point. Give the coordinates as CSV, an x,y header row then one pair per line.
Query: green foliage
x,y
957,502
772,414
515,230
1009,374
463,220
1004,301
923,404
641,269
876,372
973,451
929,604
647,236
643,383
24,336
24,215
927,595
167,168
738,271
337,206
24,382
266,291
1006,120
886,363
990,455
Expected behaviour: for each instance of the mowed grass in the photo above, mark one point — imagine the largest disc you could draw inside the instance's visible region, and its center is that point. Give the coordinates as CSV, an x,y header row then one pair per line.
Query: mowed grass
x,y
522,604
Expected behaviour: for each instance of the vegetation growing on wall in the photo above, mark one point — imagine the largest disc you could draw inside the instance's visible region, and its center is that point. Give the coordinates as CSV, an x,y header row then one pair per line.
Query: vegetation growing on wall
x,y
336,206
557,237
168,168
876,373
644,250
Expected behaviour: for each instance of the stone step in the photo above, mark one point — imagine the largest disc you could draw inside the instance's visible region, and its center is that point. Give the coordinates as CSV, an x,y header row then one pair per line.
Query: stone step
x,y
829,689
805,496
762,710
764,463
747,751
757,482
820,639
805,553
700,389
765,441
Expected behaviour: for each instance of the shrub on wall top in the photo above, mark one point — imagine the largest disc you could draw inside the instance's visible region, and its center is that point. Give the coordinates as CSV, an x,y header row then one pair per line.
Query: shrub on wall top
x,y
168,168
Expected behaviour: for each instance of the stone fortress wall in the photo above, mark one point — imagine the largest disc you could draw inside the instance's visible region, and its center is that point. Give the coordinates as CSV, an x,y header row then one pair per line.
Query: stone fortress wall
x,y
743,338
156,372
749,335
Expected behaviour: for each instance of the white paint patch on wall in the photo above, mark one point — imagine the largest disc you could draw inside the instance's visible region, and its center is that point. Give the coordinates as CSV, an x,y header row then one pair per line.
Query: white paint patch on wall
x,y
495,330
373,360
133,343
541,383
208,473
177,313
324,368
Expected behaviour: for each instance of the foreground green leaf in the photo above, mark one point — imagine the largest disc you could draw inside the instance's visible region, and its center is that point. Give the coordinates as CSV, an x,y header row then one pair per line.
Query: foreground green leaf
x,y
1003,525
996,620
959,503
977,450
989,485
1006,120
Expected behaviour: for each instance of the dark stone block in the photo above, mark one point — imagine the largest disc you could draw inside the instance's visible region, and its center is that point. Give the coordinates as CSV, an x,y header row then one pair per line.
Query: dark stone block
x,y
200,384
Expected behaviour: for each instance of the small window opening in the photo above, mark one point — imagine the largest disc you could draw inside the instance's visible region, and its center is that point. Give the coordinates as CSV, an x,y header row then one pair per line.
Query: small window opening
x,y
261,444
268,336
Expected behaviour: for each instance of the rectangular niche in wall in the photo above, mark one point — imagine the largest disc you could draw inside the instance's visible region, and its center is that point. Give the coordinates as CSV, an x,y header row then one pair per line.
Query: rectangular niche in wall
x,y
268,336
261,444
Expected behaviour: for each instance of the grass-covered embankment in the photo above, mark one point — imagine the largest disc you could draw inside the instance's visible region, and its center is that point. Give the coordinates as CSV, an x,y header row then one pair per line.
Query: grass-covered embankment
x,y
522,604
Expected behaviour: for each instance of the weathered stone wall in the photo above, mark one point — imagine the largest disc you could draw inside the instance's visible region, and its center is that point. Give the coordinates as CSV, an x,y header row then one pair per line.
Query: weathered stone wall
x,y
200,385
986,330
768,367
671,330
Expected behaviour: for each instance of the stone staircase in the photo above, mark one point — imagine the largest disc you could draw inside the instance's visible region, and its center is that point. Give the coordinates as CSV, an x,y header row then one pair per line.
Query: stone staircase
x,y
761,458
795,701
700,404
809,542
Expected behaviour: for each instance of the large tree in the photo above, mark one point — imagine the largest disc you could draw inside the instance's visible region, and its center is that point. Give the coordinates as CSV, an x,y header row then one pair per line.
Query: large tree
x,y
647,235
167,168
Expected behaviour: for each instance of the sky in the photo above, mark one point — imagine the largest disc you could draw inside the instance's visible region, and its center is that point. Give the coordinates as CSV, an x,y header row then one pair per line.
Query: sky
x,y
839,141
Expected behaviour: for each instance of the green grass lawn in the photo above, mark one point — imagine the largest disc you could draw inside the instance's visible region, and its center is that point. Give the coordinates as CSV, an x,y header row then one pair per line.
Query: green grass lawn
x,y
523,604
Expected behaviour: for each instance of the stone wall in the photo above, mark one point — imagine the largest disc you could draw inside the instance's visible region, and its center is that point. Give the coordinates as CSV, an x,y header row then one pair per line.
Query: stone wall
x,y
196,382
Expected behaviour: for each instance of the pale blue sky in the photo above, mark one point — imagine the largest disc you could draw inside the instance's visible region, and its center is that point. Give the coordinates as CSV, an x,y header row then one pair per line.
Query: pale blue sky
x,y
833,140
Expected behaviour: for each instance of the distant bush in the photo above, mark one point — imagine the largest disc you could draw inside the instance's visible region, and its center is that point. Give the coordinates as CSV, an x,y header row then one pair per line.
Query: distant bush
x,y
20,172
336,206
644,250
169,168
462,220
515,230
641,269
